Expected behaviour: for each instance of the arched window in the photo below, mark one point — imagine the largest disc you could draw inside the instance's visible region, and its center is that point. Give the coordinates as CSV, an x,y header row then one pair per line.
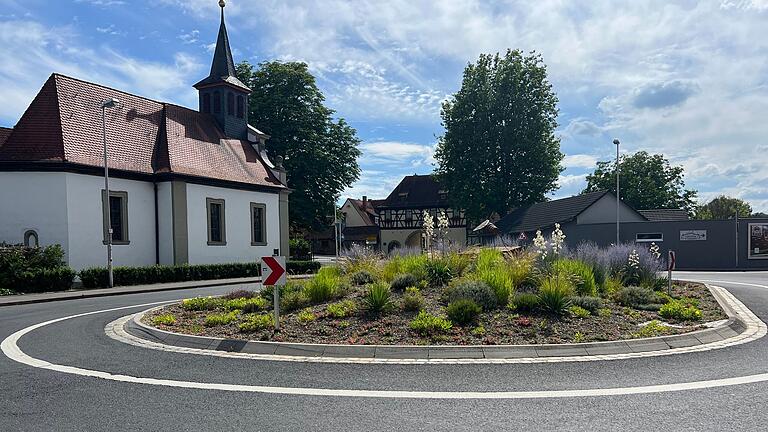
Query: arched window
x,y
231,103
217,103
240,106
31,239
207,103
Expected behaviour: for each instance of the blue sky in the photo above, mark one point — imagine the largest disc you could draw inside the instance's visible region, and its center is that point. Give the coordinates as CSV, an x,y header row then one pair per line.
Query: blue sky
x,y
688,79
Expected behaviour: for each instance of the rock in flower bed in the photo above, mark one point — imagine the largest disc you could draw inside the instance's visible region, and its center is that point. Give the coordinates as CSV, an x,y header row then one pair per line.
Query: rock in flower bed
x,y
531,297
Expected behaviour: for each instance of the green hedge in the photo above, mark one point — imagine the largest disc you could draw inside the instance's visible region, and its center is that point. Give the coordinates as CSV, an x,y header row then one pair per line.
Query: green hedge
x,y
97,277
302,267
45,280
30,270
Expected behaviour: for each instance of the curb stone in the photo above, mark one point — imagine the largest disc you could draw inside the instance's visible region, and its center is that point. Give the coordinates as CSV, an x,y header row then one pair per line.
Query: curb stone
x,y
721,335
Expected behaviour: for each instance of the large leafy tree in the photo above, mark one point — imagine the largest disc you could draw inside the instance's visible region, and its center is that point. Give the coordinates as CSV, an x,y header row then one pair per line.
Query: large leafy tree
x,y
320,153
724,207
499,150
647,182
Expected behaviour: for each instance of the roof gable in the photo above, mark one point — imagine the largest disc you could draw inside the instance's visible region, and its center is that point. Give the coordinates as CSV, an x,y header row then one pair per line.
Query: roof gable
x,y
547,213
416,191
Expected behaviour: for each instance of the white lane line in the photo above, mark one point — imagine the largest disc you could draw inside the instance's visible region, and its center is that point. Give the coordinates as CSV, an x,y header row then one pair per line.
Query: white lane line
x,y
11,349
728,282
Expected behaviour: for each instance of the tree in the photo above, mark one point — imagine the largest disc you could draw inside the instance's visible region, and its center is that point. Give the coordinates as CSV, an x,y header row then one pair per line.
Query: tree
x,y
499,150
646,181
320,153
724,207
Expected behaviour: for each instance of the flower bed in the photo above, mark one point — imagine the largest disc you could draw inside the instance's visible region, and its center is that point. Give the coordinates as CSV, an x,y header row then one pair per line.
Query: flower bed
x,y
534,296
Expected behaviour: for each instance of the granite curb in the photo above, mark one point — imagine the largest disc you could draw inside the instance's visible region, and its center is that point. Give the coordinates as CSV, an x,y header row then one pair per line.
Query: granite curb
x,y
727,329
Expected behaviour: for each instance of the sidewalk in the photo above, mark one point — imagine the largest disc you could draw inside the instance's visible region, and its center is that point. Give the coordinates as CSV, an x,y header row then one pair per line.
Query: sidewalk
x,y
120,290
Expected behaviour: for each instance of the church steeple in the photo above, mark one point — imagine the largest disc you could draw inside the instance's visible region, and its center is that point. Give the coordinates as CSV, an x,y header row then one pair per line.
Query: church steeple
x,y
222,94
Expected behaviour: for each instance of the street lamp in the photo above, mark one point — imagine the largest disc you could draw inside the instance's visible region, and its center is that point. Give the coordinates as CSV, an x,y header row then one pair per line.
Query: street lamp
x,y
107,103
618,200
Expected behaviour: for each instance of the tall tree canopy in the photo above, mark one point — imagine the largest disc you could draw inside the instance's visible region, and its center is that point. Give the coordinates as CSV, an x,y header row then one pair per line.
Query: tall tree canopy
x,y
320,154
724,207
646,181
499,150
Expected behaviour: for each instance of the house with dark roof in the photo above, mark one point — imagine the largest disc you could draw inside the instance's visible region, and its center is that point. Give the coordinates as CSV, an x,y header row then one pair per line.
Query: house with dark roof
x,y
401,214
186,186
360,222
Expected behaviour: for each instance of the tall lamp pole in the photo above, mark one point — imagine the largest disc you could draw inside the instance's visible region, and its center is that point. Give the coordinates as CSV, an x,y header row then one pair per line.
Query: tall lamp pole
x,y
107,103
618,198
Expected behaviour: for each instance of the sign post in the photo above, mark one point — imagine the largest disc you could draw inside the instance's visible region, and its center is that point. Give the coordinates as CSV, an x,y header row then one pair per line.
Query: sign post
x,y
672,256
273,274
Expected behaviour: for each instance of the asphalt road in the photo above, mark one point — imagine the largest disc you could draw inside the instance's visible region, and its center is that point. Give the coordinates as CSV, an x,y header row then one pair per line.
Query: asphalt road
x,y
35,399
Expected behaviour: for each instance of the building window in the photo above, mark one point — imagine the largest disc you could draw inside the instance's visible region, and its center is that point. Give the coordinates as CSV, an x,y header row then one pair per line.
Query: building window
x,y
217,103
207,103
240,106
258,224
649,237
217,227
231,103
31,239
117,214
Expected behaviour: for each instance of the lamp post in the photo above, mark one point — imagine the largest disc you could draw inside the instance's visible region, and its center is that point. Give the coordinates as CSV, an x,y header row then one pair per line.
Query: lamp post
x,y
618,199
107,103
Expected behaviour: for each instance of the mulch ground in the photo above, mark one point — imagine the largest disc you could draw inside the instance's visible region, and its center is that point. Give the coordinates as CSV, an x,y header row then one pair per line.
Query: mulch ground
x,y
502,326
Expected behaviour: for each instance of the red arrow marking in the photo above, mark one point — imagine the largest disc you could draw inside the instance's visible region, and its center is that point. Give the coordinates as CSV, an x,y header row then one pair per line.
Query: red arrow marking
x,y
277,270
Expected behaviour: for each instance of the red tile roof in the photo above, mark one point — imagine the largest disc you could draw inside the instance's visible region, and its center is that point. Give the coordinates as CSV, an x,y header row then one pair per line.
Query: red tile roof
x,y
63,123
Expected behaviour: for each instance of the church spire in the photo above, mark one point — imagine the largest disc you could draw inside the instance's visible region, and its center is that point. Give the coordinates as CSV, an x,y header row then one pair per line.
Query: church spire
x,y
223,67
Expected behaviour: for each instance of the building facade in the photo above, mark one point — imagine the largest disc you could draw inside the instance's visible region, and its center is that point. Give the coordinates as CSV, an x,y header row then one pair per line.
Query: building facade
x,y
186,186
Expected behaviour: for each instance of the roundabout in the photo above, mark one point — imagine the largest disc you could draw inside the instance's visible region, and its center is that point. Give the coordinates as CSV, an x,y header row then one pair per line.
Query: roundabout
x,y
66,351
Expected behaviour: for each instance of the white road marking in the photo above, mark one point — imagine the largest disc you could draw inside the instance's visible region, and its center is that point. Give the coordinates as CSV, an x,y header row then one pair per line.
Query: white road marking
x,y
11,349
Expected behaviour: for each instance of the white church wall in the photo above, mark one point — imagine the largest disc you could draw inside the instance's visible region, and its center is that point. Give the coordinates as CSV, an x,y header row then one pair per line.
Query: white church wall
x,y
34,201
237,213
84,213
165,222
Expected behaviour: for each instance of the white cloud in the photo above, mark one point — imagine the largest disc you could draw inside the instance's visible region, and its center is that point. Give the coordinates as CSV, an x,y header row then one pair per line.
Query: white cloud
x,y
579,161
190,37
373,184
397,153
102,3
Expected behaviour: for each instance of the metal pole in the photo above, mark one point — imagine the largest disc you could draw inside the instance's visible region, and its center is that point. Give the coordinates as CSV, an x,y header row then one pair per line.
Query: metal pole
x,y
106,197
737,238
618,199
336,230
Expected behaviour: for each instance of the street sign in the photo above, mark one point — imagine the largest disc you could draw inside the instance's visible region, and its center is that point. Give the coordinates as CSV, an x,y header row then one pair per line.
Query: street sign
x,y
671,260
273,270
273,274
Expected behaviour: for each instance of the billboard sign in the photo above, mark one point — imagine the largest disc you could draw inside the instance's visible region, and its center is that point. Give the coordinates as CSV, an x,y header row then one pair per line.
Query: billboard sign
x,y
693,235
758,241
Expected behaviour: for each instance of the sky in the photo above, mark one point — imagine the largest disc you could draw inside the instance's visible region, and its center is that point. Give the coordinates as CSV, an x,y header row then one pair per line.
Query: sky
x,y
688,79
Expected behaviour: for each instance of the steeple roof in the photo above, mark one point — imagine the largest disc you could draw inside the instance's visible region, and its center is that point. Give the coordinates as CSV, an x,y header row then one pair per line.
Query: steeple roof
x,y
223,67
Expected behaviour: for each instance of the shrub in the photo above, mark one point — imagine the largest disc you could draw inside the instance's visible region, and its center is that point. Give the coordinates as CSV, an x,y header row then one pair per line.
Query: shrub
x,y
98,277
499,280
302,267
592,304
256,322
427,324
651,329
413,264
378,298
201,303
579,273
403,281
463,311
488,259
293,300
164,319
218,319
247,305
325,286
458,263
679,310
45,279
240,294
635,296
438,272
579,312
300,248
362,277
6,292
477,291
413,301
525,302
306,316
341,309
554,295
521,270
611,286
268,292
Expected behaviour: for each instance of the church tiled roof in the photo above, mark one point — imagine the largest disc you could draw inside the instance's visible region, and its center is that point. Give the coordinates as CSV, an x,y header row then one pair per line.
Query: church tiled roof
x,y
63,124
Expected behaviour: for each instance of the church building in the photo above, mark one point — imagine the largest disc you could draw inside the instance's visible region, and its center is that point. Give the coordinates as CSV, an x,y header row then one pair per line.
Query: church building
x,y
185,186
